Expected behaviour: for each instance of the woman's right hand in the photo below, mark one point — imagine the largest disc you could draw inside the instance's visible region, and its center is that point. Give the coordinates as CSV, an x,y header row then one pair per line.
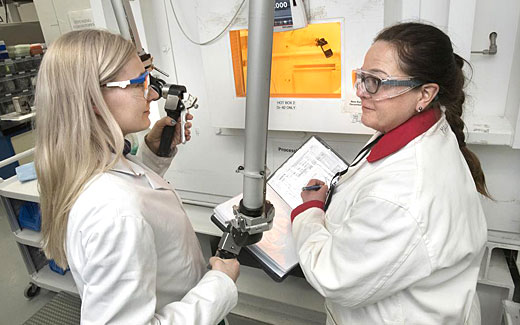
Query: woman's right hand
x,y
231,267
320,195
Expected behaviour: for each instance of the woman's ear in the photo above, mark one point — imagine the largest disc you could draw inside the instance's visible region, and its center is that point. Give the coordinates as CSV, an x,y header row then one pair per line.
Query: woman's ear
x,y
96,110
428,93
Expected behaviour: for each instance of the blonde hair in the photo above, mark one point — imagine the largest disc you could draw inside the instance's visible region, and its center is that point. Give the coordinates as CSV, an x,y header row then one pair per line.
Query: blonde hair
x,y
73,143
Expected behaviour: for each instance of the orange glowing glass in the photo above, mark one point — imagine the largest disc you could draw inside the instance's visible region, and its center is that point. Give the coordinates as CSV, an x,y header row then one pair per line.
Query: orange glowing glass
x,y
306,63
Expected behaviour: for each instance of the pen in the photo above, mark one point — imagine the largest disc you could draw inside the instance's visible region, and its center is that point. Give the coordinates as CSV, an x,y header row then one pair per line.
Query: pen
x,y
311,188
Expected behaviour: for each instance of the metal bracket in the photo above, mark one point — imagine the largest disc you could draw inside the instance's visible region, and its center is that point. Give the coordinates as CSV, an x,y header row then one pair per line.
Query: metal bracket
x,y
241,170
228,244
492,45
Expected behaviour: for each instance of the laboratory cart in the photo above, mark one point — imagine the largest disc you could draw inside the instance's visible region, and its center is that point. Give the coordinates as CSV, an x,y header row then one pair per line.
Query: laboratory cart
x,y
14,194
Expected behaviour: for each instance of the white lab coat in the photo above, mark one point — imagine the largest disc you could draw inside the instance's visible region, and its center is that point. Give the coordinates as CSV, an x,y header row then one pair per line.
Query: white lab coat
x,y
134,255
402,240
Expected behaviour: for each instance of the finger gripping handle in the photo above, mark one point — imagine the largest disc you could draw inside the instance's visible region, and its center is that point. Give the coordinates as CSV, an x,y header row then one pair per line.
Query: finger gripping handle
x,y
223,254
183,126
166,141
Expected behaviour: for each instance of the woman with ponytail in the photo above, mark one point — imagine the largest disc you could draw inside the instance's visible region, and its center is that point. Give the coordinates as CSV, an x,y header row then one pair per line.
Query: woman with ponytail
x,y
398,237
107,215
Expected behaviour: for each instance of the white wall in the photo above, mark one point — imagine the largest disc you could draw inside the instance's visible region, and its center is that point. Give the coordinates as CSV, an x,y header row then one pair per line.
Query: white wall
x,y
53,16
501,164
360,21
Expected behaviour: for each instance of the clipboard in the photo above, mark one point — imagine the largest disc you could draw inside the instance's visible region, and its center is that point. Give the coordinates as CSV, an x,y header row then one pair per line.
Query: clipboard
x,y
276,252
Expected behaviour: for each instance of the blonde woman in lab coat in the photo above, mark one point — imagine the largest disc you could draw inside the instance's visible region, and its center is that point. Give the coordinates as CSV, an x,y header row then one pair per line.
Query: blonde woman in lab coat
x,y
108,215
398,238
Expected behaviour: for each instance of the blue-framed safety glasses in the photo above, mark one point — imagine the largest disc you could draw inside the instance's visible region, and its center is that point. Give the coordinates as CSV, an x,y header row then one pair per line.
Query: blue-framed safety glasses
x,y
143,79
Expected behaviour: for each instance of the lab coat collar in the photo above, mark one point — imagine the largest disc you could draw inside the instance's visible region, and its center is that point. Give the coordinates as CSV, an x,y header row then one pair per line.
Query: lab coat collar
x,y
130,167
126,166
404,133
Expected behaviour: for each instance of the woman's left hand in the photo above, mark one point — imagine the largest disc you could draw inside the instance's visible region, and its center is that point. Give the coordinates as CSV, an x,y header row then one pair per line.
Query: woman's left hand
x,y
153,138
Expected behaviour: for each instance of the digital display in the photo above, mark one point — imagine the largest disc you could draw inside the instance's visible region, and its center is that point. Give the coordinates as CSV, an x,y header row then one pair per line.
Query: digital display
x,y
282,13
282,4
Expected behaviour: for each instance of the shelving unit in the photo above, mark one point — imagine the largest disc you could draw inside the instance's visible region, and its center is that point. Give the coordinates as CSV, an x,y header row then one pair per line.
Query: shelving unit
x,y
17,78
13,195
511,313
495,283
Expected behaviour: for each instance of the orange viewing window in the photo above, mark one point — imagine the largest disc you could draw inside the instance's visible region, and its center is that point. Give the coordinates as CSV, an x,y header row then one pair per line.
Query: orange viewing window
x,y
306,62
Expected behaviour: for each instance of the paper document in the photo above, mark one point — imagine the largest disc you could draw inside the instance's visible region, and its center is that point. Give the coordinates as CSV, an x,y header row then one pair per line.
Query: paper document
x,y
313,160
276,251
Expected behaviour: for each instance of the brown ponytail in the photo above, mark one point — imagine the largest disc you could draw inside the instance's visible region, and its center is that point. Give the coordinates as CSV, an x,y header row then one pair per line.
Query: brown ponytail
x,y
453,116
426,53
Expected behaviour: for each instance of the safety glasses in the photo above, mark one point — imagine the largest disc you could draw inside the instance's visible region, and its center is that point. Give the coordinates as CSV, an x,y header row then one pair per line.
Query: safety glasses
x,y
378,88
143,79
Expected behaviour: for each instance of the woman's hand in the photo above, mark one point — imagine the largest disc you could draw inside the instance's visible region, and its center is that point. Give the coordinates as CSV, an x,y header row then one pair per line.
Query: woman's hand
x,y
153,138
230,267
320,195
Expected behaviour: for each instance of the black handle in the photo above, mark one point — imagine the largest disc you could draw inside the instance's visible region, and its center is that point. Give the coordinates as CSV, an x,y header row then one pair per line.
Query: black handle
x,y
225,255
166,141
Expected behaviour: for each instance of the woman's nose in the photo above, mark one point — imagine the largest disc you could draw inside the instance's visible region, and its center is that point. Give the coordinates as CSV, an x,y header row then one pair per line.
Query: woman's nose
x,y
152,94
361,91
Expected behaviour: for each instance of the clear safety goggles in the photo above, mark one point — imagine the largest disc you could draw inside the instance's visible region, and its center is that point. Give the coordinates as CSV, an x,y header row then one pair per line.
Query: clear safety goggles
x,y
143,80
378,88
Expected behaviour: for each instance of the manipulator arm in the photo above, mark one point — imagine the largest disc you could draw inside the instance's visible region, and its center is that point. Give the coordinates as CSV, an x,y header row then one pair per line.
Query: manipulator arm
x,y
177,104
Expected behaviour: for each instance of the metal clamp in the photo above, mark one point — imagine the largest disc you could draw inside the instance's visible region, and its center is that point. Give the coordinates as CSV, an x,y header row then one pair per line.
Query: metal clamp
x,y
241,170
253,225
227,244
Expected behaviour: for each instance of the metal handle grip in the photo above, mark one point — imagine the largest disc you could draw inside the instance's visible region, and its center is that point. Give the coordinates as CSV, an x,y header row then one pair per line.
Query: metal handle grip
x,y
225,255
166,141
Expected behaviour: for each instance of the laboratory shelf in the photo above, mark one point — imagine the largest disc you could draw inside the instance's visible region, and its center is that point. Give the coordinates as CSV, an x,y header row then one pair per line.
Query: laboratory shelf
x,y
292,301
498,274
50,280
495,287
16,117
511,313
29,237
491,130
14,189
502,237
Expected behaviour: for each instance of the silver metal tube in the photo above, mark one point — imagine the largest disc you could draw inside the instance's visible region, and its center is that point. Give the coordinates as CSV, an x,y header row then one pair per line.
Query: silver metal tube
x,y
122,23
259,53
